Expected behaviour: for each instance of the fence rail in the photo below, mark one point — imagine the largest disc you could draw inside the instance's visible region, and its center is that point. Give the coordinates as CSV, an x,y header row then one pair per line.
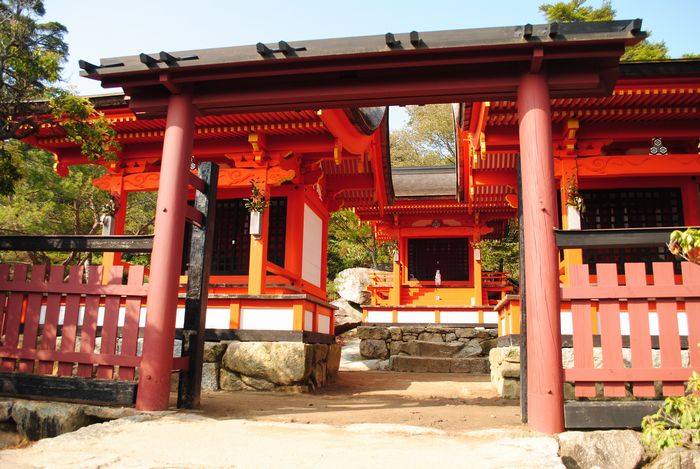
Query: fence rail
x,y
614,238
83,243
657,303
40,301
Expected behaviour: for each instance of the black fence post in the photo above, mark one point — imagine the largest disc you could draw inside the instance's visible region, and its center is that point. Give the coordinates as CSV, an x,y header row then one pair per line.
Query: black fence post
x,y
189,388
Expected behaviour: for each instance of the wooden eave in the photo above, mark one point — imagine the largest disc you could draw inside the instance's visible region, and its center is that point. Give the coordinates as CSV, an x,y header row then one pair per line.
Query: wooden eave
x,y
305,132
425,67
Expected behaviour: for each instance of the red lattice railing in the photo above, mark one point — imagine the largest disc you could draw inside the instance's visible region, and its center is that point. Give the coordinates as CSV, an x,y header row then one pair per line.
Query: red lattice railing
x,y
38,309
661,303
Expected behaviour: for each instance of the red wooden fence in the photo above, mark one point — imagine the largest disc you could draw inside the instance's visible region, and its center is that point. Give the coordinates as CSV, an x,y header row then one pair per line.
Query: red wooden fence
x,y
37,310
666,296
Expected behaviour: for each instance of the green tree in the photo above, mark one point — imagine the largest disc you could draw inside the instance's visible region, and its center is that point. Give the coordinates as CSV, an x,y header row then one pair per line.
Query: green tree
x,y
428,139
45,203
502,255
32,54
577,10
351,244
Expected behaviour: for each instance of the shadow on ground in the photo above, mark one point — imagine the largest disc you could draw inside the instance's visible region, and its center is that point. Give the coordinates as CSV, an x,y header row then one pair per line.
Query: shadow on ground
x,y
450,402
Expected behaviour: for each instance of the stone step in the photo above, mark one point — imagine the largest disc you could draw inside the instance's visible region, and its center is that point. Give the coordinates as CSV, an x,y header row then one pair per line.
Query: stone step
x,y
423,348
473,365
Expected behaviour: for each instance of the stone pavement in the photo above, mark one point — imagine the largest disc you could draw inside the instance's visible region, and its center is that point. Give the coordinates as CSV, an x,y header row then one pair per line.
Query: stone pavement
x,y
190,440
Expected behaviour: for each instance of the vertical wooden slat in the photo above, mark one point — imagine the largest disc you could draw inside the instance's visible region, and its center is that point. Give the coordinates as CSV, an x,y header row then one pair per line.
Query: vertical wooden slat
x,y
110,323
669,339
640,338
582,330
130,332
13,315
88,330
691,277
70,321
610,335
31,318
53,306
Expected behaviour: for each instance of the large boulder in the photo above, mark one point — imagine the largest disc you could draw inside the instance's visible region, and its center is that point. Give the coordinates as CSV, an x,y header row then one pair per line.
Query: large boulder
x,y
281,363
213,351
621,449
36,420
351,284
347,316
677,458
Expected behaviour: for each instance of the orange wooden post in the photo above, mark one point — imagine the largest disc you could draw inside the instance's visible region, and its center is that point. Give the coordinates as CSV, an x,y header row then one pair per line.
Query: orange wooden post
x,y
257,267
395,291
478,289
571,256
545,375
114,225
298,317
166,257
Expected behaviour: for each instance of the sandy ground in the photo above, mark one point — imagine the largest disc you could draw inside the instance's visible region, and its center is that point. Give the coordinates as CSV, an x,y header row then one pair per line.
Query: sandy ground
x,y
451,402
366,419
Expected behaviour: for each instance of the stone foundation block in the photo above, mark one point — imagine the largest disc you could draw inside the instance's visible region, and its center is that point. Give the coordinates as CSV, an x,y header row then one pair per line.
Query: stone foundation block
x,y
37,420
374,348
210,376
281,363
421,364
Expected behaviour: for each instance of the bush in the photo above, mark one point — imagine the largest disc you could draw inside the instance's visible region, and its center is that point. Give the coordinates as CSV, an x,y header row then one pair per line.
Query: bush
x,y
677,423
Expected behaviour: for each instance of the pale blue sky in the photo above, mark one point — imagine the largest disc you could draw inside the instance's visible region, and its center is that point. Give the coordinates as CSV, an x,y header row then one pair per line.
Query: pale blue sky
x,y
98,28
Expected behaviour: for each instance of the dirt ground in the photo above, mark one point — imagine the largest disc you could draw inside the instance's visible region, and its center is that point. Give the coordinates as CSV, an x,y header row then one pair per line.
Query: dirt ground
x,y
452,402
366,419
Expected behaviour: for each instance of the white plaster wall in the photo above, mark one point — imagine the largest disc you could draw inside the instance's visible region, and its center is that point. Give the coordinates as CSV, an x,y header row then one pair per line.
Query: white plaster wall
x,y
490,317
313,249
379,316
267,319
415,316
567,325
308,320
460,317
324,324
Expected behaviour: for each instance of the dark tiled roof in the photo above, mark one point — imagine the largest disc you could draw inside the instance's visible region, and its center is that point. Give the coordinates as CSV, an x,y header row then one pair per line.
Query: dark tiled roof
x,y
541,34
425,181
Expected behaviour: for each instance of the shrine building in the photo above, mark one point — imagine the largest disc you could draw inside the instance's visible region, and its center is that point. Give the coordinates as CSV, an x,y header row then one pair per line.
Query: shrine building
x,y
597,161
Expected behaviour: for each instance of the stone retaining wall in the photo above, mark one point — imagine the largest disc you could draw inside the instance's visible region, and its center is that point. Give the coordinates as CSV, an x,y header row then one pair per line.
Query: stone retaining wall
x,y
505,371
429,348
267,366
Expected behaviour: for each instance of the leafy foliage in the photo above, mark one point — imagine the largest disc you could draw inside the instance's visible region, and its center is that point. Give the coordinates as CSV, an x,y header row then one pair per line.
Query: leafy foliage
x,y
502,255
677,423
686,244
428,138
84,125
31,59
577,11
257,202
351,244
45,203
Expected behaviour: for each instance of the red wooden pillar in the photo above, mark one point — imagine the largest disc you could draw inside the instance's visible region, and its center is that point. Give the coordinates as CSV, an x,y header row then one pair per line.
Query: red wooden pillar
x,y
544,372
166,258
